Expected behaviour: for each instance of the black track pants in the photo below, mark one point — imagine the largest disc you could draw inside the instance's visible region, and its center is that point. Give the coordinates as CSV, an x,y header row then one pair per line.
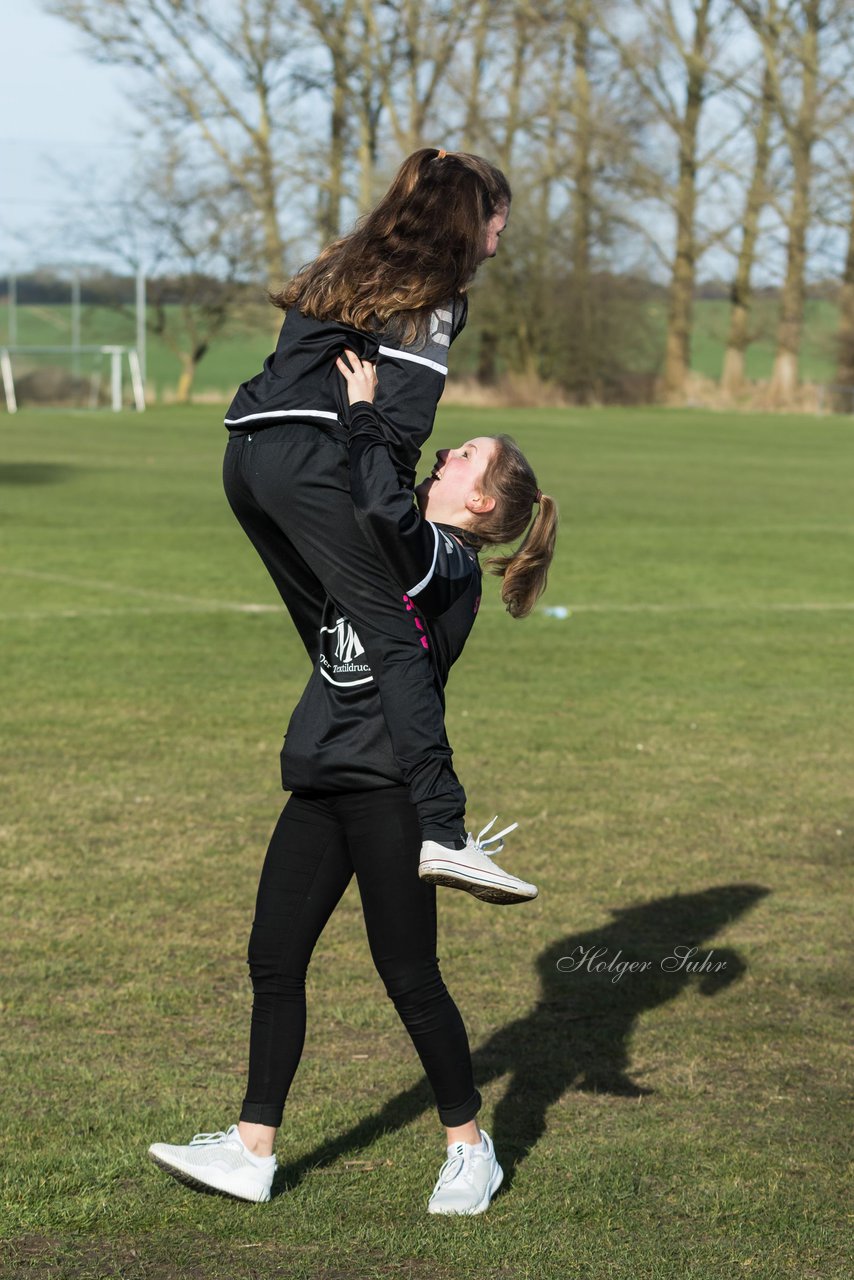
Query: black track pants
x,y
289,488
318,843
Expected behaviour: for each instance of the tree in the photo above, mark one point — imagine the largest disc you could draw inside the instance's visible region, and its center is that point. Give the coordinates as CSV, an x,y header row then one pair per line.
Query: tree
x,y
801,47
363,44
845,333
430,34
333,26
582,197
565,123
739,335
201,238
673,62
802,25
197,242
226,77
839,195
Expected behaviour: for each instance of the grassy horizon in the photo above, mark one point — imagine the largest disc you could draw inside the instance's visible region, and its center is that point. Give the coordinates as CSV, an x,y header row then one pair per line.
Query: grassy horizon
x,y
241,350
677,750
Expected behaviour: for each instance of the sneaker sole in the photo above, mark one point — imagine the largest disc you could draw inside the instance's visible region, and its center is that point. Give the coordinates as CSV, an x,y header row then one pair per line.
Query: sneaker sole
x,y
482,1205
207,1188
501,896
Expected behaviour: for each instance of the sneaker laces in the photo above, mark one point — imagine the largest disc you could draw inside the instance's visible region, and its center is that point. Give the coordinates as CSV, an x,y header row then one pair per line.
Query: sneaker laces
x,y
456,1163
209,1139
480,843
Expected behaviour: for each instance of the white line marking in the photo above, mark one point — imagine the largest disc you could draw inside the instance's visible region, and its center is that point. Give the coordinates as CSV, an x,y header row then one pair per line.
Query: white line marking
x,y
201,604
145,593
44,615
720,606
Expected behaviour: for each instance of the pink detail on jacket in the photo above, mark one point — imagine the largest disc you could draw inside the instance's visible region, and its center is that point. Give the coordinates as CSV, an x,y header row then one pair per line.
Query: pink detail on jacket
x,y
410,608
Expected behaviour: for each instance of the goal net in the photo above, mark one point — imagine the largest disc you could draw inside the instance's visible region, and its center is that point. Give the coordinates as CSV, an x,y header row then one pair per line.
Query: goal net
x,y
84,377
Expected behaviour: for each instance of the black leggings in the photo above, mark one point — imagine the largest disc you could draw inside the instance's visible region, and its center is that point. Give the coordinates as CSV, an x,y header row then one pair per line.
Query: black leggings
x,y
318,843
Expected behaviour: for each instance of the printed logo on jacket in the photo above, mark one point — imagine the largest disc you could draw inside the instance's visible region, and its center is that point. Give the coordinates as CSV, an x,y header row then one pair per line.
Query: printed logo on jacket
x,y
441,326
342,661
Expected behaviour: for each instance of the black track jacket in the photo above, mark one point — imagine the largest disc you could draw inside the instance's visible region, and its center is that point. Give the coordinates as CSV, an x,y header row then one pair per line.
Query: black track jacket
x,y
300,381
337,738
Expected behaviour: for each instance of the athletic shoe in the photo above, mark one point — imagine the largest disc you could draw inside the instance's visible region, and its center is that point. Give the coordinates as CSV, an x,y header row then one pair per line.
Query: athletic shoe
x,y
218,1162
468,1179
473,869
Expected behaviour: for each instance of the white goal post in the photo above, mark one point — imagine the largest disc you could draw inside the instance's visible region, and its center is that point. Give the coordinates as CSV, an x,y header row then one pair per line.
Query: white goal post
x,y
116,356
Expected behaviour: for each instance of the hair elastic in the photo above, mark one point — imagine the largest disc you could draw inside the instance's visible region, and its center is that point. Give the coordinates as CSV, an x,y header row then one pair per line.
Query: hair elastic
x,y
440,155
539,496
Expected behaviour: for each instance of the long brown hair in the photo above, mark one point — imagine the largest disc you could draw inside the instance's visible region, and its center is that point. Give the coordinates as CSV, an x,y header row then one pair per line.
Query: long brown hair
x,y
418,248
509,479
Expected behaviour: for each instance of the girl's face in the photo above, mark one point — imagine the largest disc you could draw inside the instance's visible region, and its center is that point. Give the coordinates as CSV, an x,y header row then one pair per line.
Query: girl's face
x,y
456,482
494,227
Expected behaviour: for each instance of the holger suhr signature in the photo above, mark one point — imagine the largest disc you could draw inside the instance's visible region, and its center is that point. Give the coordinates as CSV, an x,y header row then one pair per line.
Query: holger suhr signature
x,y
679,960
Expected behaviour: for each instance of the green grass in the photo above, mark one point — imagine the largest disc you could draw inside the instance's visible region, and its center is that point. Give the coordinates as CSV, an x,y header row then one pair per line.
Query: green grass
x,y
818,349
677,751
243,348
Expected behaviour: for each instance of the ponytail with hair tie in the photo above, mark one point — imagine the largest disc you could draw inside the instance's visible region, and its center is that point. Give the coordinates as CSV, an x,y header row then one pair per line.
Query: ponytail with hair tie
x,y
509,479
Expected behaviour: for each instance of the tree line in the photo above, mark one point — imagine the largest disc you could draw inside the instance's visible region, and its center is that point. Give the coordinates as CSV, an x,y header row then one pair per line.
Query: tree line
x,y
644,140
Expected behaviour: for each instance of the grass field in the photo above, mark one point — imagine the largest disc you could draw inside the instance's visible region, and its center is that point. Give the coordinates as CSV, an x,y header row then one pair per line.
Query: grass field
x,y
241,351
678,752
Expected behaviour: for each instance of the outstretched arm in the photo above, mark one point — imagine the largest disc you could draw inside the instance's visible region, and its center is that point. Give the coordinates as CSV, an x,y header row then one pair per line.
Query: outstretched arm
x,y
430,567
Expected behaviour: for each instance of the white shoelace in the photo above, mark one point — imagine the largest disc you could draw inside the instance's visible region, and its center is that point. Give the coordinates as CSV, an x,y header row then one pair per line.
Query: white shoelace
x,y
456,1163
208,1139
480,843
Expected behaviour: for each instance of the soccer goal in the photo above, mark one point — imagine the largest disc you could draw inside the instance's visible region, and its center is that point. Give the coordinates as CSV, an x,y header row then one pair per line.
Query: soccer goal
x,y
78,377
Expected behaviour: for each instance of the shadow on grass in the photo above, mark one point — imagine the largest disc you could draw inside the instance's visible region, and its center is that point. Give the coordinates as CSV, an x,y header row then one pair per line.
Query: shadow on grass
x,y
35,472
578,1033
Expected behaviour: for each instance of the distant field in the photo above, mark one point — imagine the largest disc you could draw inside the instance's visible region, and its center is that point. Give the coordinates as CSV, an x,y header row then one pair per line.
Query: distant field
x,y
678,752
818,358
240,353
230,360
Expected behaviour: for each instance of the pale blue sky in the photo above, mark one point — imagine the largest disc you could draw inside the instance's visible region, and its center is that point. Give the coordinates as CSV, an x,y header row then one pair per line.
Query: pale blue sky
x,y
61,115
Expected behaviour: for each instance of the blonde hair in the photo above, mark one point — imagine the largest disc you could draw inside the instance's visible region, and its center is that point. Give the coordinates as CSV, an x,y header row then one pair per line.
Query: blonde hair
x,y
509,479
418,248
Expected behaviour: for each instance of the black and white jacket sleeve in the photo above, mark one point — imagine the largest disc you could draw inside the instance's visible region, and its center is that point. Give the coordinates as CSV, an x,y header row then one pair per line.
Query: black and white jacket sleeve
x,y
411,381
431,566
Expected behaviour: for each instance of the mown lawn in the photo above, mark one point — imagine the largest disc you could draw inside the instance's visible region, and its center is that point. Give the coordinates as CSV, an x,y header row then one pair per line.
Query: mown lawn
x,y
678,753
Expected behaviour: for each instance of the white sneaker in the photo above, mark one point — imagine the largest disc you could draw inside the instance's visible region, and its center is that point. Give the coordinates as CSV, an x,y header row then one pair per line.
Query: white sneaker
x,y
468,1179
218,1162
473,869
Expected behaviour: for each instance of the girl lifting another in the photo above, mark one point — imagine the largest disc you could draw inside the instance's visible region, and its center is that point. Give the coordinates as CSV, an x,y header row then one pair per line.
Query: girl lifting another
x,y
349,812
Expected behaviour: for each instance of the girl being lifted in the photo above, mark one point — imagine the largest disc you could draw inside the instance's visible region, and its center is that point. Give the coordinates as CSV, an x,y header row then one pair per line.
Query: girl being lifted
x,y
394,293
